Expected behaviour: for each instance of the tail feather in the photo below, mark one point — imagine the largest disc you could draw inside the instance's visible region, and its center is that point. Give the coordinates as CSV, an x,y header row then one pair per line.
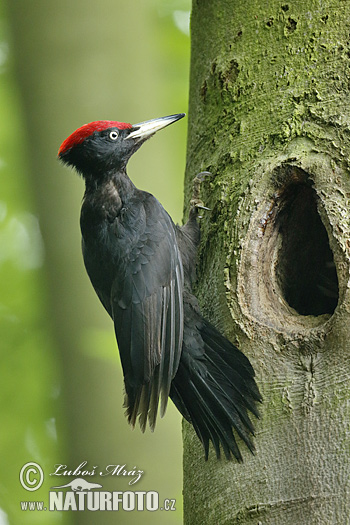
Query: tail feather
x,y
218,435
206,416
214,389
234,411
233,384
233,357
220,415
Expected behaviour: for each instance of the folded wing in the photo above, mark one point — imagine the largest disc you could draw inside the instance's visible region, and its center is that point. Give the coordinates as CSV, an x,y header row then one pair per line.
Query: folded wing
x,y
147,307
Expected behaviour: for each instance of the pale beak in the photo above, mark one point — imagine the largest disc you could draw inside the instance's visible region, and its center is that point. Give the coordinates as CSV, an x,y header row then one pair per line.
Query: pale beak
x,y
144,130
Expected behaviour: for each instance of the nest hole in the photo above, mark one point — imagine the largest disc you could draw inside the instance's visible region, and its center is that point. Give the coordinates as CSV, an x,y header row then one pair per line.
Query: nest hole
x,y
305,269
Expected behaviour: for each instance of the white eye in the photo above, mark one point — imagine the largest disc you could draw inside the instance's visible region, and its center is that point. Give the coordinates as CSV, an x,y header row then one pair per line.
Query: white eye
x,y
113,135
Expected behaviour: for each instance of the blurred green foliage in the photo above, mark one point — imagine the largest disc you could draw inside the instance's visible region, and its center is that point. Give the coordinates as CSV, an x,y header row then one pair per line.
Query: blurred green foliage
x,y
61,381
29,382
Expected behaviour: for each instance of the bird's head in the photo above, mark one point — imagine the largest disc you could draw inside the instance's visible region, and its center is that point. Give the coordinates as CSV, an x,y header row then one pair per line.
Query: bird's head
x,y
105,145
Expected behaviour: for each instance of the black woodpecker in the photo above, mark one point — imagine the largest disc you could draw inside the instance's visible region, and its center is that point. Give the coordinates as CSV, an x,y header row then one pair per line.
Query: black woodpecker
x,y
142,267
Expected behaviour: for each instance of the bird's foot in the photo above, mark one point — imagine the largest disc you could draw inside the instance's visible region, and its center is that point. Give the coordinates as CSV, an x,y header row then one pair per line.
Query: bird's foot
x,y
196,202
196,206
197,182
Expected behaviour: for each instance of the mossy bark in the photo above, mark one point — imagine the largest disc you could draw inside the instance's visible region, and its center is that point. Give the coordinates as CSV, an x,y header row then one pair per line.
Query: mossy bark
x,y
269,117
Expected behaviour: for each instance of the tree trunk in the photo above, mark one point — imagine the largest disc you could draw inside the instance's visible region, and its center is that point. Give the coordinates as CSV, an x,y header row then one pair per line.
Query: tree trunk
x,y
269,117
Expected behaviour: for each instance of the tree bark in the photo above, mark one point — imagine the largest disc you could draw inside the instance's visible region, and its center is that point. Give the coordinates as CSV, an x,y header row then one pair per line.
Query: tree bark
x,y
269,117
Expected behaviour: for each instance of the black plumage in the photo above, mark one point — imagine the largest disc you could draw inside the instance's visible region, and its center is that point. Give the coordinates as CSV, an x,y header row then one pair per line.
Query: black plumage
x,y
142,266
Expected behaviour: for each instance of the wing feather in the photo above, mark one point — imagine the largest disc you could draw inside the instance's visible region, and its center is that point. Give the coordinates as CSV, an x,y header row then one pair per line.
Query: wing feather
x,y
147,308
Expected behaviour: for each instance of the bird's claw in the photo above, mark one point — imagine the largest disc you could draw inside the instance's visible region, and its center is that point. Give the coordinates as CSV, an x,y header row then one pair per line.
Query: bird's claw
x,y
200,206
196,203
197,181
202,175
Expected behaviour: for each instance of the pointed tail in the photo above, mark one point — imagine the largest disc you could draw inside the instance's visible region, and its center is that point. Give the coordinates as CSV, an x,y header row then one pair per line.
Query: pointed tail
x,y
214,388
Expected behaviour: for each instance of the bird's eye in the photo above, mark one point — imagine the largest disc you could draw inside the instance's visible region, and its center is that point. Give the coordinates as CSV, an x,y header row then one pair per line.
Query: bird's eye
x,y
113,135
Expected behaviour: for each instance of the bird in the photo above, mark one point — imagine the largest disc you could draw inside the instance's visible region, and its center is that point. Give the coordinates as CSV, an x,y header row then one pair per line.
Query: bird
x,y
143,267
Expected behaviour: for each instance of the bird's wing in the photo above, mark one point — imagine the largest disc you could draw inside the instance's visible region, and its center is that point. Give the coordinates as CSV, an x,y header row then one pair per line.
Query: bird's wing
x,y
147,309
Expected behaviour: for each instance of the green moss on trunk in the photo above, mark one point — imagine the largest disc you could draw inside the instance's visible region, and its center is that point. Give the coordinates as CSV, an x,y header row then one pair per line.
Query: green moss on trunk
x,y
269,117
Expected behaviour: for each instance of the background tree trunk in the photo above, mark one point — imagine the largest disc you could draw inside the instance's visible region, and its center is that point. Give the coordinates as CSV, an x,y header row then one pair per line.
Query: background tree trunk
x,y
269,117
77,62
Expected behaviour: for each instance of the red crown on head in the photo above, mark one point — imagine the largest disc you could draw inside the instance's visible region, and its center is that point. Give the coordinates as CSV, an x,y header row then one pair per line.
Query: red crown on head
x,y
80,134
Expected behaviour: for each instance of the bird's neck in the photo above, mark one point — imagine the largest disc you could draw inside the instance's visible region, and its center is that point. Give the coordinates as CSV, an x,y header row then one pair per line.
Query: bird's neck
x,y
117,183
